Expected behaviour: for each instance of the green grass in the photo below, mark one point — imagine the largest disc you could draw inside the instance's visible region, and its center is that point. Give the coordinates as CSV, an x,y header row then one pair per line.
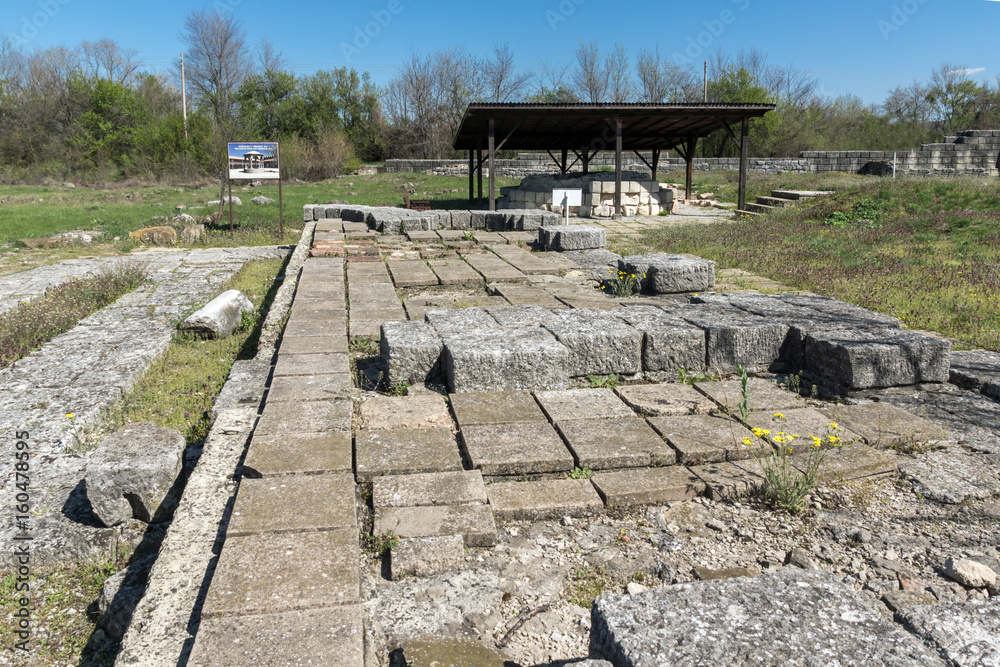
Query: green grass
x,y
180,387
929,254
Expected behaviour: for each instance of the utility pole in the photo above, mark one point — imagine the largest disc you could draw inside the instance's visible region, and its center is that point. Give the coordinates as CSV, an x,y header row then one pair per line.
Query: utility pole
x,y
706,82
184,104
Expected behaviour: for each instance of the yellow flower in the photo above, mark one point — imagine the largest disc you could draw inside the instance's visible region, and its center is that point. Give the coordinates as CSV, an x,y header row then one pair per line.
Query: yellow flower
x,y
778,415
816,441
71,415
747,442
834,426
779,440
760,433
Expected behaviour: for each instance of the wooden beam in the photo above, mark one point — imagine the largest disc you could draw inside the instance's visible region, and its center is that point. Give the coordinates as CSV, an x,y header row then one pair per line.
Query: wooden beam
x,y
618,168
500,145
562,164
492,154
744,152
689,177
656,162
644,161
479,175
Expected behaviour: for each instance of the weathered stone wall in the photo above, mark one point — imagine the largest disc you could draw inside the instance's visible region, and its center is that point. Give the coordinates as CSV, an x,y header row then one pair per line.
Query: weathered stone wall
x,y
640,196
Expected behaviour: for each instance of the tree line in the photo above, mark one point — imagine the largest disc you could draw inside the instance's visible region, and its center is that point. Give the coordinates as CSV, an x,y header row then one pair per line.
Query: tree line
x,y
93,112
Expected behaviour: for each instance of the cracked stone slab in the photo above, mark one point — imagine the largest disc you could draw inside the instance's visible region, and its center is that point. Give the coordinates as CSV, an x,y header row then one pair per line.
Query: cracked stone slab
x,y
978,370
669,343
791,617
461,487
312,364
307,417
665,400
299,453
965,634
599,344
763,395
495,407
270,573
293,503
474,523
851,462
516,449
544,499
333,635
706,438
582,404
731,480
803,422
872,358
403,451
426,556
411,352
390,412
505,359
647,486
951,476
616,442
884,425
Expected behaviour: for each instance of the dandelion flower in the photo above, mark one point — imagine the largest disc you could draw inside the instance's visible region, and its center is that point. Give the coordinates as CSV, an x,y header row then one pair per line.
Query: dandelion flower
x,y
71,415
747,442
778,415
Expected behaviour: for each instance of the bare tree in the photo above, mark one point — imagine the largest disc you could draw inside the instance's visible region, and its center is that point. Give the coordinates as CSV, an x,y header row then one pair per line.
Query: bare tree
x,y
106,59
501,81
620,86
663,81
269,59
217,59
590,79
909,103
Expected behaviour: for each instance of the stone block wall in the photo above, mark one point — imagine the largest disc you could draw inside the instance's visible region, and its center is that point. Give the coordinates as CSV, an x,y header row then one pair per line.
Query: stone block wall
x,y
640,196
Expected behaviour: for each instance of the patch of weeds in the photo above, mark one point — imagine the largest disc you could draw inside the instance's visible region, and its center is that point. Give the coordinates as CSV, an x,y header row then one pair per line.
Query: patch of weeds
x,y
365,346
604,381
398,389
911,446
687,377
31,324
624,284
585,584
786,486
580,473
379,545
744,395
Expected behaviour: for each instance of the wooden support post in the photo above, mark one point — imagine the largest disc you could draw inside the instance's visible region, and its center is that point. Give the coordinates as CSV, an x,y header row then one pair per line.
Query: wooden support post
x,y
618,168
492,150
479,174
232,234
656,162
472,176
565,158
689,179
586,160
744,151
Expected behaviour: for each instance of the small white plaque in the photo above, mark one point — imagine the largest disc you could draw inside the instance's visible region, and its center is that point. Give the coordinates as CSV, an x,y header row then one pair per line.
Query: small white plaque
x,y
567,197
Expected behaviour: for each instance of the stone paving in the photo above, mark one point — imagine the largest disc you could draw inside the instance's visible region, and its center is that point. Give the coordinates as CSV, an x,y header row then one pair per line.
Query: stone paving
x,y
440,475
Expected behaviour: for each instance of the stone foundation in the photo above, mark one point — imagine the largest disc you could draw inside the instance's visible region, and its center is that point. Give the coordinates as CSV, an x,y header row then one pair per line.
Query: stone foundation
x,y
640,196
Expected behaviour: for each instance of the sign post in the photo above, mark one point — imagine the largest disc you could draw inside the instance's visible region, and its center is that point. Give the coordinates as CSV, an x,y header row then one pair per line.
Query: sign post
x,y
255,161
566,198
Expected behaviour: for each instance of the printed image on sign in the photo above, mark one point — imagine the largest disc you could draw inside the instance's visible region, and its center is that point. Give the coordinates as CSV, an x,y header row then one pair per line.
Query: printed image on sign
x,y
254,160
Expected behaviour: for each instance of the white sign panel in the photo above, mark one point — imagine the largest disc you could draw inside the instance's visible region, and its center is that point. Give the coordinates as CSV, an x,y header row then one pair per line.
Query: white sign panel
x,y
574,197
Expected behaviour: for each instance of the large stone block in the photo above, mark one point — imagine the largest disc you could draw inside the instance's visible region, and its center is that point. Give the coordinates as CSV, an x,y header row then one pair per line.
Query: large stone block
x,y
459,320
870,358
669,343
619,442
572,237
504,359
671,274
791,617
966,633
737,338
410,352
598,343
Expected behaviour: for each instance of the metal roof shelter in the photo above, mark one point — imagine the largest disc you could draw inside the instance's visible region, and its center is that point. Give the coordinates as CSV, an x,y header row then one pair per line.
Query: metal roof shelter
x,y
585,129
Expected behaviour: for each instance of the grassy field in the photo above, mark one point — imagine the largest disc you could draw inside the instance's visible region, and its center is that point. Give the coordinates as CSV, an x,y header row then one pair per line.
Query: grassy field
x,y
926,250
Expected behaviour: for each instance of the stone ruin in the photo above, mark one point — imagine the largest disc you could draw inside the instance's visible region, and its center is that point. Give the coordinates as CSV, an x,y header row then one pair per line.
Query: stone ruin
x,y
640,195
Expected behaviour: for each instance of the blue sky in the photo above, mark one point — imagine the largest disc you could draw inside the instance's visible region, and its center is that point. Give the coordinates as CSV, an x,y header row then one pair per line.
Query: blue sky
x,y
864,47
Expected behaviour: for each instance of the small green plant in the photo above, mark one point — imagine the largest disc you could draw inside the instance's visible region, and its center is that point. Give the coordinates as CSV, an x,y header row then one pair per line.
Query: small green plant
x,y
378,545
624,284
745,395
580,473
365,345
398,389
687,377
585,584
604,381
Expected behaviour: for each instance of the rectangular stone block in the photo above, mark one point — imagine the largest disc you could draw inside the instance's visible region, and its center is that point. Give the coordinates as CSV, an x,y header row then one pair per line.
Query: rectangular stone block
x,y
294,503
804,422
411,273
520,295
492,268
461,487
410,352
885,425
665,400
647,486
572,404
526,315
473,522
312,364
312,345
299,453
405,451
426,556
763,395
598,344
544,499
504,359
619,442
671,274
314,417
459,320
391,412
516,449
669,343
461,219
850,462
495,407
331,635
874,358
272,573
707,438
736,338
731,480
455,272
572,237
331,386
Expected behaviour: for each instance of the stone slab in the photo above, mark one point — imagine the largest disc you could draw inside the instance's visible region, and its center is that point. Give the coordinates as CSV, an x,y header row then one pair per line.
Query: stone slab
x,y
582,404
270,573
526,295
665,400
410,352
521,316
803,422
516,449
670,274
312,364
884,425
707,438
298,453
493,269
405,451
308,417
307,345
598,343
455,272
544,499
459,320
461,487
504,359
669,343
871,358
572,237
426,556
332,635
332,327
736,338
411,273
391,412
790,617
964,634
731,480
495,407
289,504
763,395
950,476
647,486
528,263
851,462
298,388
978,370
474,523
617,442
